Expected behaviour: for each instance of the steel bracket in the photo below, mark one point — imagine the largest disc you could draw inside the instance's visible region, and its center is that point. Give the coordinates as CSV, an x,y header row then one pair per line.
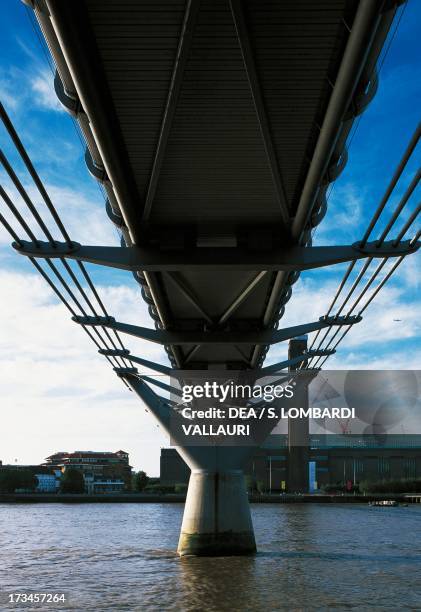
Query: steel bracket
x,y
387,248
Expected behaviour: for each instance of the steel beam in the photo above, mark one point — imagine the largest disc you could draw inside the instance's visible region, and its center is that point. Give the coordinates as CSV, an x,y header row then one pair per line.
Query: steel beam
x,y
183,52
241,297
188,357
202,259
157,367
320,353
159,408
259,105
161,385
243,354
114,352
274,367
123,371
266,336
188,293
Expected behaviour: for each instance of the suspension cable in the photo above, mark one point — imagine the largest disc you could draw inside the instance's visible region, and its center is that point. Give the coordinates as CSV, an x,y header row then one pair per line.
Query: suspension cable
x,y
26,159
397,174
57,274
22,152
23,193
379,286
25,226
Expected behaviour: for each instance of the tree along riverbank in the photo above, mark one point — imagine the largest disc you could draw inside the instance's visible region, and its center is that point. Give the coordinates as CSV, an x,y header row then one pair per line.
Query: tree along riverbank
x,y
59,498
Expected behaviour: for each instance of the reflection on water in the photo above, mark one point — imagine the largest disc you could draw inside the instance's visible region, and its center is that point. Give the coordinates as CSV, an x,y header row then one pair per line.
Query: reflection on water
x,y
121,557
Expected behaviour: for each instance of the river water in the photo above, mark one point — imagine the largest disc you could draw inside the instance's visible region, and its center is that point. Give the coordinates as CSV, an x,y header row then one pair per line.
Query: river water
x,y
121,557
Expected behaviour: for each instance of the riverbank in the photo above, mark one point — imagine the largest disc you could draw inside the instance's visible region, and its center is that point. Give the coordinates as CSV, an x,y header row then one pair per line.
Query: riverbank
x,y
139,498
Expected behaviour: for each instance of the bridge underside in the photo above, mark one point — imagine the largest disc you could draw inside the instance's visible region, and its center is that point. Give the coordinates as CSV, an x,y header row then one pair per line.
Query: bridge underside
x,y
204,121
215,125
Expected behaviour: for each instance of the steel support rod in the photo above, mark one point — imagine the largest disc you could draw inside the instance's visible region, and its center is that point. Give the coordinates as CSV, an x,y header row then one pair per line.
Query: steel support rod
x,y
259,105
241,297
189,295
183,52
396,176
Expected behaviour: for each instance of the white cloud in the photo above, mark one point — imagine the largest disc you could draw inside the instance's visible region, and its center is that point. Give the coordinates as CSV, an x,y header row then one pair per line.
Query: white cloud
x,y
42,85
348,213
410,271
344,216
36,88
57,392
311,300
8,98
72,206
387,360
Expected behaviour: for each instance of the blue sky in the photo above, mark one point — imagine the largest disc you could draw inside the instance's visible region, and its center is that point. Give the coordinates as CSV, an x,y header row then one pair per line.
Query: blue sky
x,y
70,397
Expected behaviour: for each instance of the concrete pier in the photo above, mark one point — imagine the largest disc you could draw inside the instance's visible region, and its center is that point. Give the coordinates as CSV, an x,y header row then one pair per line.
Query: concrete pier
x,y
217,518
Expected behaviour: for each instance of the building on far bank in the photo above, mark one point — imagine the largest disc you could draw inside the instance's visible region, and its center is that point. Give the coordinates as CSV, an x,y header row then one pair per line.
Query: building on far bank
x,y
48,482
103,472
47,479
334,459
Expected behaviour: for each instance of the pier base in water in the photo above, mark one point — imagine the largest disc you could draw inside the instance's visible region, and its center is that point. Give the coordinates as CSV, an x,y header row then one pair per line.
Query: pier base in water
x,y
217,518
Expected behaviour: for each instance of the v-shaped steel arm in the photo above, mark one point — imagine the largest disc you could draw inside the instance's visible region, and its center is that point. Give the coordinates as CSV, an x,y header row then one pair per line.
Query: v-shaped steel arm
x,y
157,405
288,258
216,336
